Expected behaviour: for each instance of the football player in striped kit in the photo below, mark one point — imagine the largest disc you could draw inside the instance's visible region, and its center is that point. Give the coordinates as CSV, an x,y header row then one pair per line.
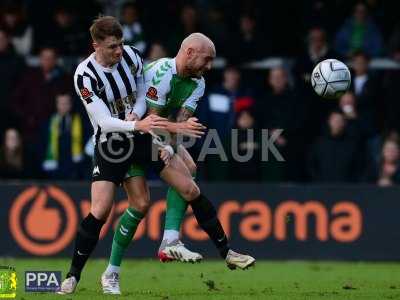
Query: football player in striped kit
x,y
110,84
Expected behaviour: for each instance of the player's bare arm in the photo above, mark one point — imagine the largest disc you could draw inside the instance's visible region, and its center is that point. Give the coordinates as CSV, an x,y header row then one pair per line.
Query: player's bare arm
x,y
185,124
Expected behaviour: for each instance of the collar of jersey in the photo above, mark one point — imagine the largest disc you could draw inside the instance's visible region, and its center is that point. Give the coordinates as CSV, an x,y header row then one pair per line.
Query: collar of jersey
x,y
173,70
93,60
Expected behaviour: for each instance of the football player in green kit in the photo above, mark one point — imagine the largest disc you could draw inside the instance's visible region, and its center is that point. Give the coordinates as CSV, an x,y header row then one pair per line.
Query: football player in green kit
x,y
171,84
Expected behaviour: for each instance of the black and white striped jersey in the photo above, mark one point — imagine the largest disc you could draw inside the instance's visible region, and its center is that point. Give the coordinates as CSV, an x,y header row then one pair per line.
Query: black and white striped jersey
x,y
109,93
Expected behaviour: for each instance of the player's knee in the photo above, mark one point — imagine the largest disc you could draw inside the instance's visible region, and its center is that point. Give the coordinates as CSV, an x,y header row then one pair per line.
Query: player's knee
x,y
141,204
100,210
191,191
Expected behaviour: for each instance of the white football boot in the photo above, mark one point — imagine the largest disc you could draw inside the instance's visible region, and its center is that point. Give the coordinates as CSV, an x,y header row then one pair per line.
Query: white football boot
x,y
176,250
110,283
236,260
68,286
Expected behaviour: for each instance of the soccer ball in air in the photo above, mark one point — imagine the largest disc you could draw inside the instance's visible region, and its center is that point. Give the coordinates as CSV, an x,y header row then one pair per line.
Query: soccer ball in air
x,y
330,78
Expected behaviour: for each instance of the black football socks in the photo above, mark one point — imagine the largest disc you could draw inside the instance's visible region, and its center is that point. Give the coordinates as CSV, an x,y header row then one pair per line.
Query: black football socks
x,y
206,216
85,242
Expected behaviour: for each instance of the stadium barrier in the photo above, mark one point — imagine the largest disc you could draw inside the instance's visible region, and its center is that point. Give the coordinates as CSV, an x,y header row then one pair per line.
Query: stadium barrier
x,y
268,221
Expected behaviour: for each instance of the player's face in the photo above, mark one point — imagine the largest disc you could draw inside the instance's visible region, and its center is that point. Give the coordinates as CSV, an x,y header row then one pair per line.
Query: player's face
x,y
200,61
110,49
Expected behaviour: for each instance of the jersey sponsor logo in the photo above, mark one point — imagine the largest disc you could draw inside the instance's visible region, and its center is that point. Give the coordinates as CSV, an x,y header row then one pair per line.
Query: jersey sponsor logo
x,y
122,104
152,93
85,93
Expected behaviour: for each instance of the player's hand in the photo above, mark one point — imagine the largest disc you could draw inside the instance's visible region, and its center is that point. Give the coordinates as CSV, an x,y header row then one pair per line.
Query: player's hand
x,y
192,127
165,155
131,117
151,122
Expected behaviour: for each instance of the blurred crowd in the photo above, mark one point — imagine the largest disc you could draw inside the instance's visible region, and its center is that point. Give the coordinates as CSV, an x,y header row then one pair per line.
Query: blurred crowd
x,y
46,133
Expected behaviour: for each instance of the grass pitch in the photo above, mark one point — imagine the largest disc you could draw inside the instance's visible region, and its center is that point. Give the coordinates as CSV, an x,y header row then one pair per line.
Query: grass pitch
x,y
150,279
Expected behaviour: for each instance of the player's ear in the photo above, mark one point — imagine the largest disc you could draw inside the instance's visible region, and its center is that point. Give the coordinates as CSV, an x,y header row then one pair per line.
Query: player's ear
x,y
190,52
95,45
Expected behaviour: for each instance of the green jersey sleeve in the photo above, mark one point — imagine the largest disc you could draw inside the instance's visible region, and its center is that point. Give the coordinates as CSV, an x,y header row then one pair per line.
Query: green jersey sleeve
x,y
192,101
157,83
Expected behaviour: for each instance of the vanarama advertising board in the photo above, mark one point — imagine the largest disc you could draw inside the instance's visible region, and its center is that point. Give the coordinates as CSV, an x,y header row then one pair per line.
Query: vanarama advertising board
x,y
270,221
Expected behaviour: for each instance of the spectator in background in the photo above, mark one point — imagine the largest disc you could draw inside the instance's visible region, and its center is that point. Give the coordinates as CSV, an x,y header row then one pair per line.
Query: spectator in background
x,y
248,141
357,126
280,107
11,67
64,140
156,51
335,157
316,51
189,23
33,99
394,40
248,45
359,32
67,36
14,21
386,171
15,162
388,92
217,29
132,27
366,88
218,109
218,112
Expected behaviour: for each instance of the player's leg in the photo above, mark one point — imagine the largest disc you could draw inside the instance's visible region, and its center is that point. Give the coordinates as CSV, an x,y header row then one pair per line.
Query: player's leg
x,y
108,173
171,247
102,195
177,175
139,201
176,204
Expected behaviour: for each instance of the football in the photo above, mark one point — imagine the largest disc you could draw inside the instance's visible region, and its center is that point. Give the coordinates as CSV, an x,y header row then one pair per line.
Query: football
x,y
330,78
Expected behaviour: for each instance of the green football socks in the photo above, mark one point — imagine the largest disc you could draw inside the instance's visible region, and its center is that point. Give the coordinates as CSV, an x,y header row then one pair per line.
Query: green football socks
x,y
123,234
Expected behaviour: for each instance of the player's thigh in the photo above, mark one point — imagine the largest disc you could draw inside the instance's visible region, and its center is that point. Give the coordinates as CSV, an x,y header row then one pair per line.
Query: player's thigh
x,y
177,175
187,159
102,198
138,193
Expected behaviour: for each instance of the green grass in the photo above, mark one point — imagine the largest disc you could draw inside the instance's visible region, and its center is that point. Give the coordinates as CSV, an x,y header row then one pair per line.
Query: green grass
x,y
149,279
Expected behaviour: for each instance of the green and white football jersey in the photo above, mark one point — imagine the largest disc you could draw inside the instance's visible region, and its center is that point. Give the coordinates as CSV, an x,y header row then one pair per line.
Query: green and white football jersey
x,y
167,91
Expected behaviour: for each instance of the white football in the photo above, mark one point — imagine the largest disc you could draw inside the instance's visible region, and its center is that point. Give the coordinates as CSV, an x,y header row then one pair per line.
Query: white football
x,y
330,78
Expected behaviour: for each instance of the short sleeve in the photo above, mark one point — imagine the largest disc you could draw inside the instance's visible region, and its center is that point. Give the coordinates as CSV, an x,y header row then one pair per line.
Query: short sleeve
x,y
157,86
192,102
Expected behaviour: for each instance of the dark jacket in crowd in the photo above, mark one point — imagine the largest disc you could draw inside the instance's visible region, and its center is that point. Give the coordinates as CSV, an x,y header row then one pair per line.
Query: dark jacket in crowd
x,y
29,168
249,170
33,100
335,159
12,66
373,173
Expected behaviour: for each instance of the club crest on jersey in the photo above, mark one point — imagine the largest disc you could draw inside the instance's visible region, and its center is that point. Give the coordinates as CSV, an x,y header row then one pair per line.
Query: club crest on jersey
x,y
152,93
85,93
